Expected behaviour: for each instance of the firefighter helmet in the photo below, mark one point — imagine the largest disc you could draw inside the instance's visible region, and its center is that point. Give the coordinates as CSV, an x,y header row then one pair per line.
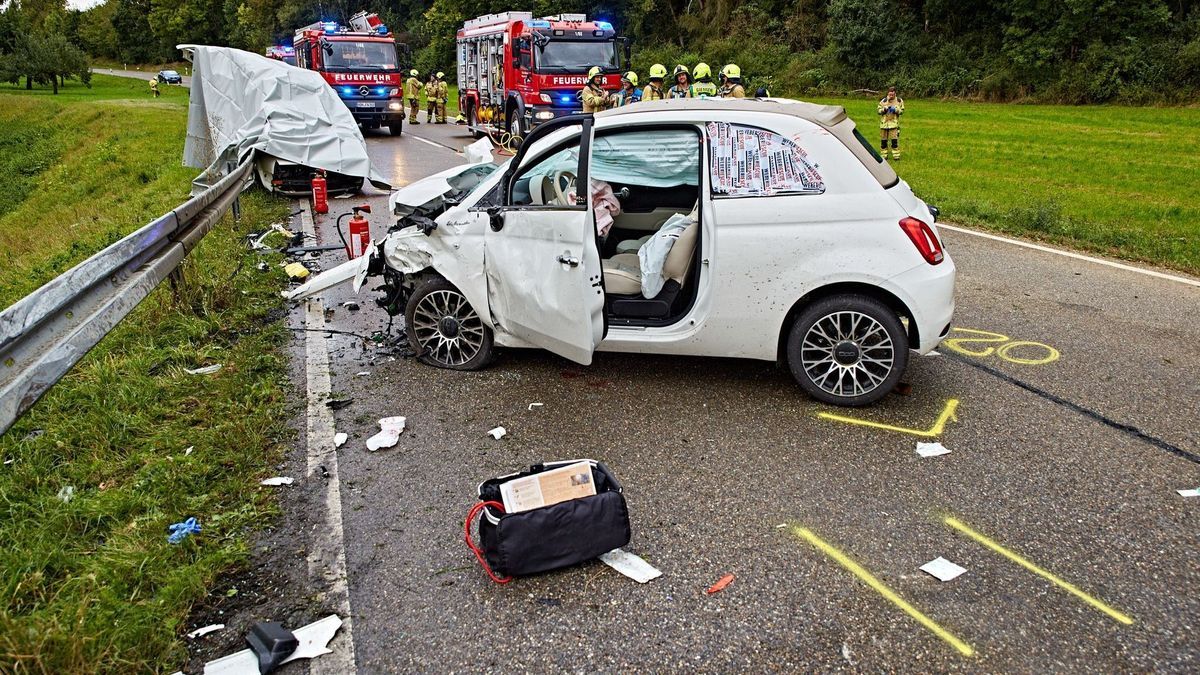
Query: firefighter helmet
x,y
593,72
413,72
631,78
702,71
658,71
732,71
440,75
681,69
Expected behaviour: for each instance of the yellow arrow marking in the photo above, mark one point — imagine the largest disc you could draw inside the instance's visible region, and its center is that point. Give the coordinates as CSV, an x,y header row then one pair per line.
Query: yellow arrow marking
x,y
870,580
1070,588
931,432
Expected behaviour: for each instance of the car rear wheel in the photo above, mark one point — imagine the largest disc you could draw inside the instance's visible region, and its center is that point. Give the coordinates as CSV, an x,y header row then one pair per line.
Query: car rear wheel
x,y
445,330
848,350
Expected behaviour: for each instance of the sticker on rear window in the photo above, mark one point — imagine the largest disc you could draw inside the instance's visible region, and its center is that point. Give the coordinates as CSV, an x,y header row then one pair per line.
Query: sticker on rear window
x,y
749,162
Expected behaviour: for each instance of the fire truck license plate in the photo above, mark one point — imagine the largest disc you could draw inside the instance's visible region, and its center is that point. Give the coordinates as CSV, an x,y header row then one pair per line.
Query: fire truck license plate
x,y
365,104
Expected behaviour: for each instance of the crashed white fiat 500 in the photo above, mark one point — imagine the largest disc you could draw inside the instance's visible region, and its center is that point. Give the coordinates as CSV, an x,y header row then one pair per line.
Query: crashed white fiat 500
x,y
754,229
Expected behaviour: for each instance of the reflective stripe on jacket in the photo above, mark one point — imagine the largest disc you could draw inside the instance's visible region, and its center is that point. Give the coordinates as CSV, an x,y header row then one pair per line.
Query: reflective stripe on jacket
x,y
890,119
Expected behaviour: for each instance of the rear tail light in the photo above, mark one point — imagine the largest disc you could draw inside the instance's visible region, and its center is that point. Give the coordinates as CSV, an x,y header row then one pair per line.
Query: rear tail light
x,y
924,239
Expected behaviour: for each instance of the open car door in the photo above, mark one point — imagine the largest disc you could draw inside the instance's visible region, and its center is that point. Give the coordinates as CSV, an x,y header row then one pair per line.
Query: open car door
x,y
545,283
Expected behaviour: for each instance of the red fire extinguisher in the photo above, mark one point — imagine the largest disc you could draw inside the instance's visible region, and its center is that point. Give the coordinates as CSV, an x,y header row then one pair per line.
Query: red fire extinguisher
x,y
360,232
319,194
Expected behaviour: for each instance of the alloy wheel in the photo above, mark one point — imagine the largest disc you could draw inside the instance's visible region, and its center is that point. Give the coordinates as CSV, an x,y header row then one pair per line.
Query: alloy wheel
x,y
847,353
447,328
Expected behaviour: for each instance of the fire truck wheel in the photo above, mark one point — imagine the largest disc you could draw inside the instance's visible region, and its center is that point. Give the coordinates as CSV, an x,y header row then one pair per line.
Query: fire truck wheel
x,y
514,126
396,129
473,122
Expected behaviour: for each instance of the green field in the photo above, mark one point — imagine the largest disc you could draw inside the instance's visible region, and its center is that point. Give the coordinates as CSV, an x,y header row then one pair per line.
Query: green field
x,y
90,584
1116,180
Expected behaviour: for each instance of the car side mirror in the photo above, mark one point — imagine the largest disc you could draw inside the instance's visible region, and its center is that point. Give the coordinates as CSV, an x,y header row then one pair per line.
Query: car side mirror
x,y
496,218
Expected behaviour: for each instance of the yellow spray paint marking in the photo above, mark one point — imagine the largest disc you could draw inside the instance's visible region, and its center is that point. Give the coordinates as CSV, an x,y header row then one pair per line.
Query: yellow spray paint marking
x,y
1070,588
870,580
1003,350
931,432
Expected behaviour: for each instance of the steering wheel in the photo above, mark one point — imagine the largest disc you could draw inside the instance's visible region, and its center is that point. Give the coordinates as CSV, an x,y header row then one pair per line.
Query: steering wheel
x,y
564,182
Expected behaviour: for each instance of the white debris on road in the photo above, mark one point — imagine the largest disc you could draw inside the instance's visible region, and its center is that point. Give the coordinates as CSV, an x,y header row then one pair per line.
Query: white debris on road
x,y
278,480
942,569
313,639
630,565
932,449
498,433
339,439
201,632
1194,492
389,434
535,405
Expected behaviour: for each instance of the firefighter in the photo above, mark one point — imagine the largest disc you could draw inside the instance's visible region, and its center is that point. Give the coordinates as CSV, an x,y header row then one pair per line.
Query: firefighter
x,y
412,90
595,98
629,90
154,87
703,86
431,95
731,82
890,109
654,89
443,93
683,83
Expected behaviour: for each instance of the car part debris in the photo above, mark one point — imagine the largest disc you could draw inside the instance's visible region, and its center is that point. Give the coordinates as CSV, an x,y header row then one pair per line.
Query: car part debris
x,y
66,493
188,450
271,643
180,531
339,403
1195,492
277,481
206,370
942,569
630,565
201,632
339,439
301,250
498,433
350,305
932,449
362,373
535,405
389,434
312,641
296,270
720,585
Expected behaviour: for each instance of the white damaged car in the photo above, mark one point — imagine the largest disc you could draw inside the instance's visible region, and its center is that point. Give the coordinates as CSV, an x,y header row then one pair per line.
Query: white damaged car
x,y
762,229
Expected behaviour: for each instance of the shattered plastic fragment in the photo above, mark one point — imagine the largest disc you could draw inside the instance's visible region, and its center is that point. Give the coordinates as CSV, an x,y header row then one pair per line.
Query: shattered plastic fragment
x,y
498,433
66,493
278,480
339,439
720,585
389,434
188,450
535,405
931,449
1195,492
942,569
313,640
179,531
630,565
362,373
201,632
206,370
296,270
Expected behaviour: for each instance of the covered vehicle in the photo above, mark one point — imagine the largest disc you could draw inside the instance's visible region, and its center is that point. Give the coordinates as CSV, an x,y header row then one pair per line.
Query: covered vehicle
x,y
169,77
755,229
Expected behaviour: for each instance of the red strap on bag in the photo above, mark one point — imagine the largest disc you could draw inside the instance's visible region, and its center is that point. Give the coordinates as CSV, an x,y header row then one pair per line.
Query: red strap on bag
x,y
475,510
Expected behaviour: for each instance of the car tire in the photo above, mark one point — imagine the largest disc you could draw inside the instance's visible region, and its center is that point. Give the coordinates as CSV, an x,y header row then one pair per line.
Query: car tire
x,y
848,350
445,330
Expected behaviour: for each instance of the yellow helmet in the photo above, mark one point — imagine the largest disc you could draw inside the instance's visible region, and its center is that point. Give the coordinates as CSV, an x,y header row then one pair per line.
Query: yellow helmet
x,y
413,72
630,77
440,75
702,71
595,70
658,71
732,71
681,69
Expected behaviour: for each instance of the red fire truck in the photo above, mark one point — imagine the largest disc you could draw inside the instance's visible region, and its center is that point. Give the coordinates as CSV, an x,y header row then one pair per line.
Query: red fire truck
x,y
360,62
515,71
281,53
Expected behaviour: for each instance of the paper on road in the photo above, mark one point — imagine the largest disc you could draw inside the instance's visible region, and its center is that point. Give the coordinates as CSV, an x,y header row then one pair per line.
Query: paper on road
x,y
630,565
313,639
942,569
1194,492
390,430
932,449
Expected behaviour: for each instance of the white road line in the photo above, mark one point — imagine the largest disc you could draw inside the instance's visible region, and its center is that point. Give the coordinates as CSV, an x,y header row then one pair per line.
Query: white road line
x,y
1077,256
433,143
327,551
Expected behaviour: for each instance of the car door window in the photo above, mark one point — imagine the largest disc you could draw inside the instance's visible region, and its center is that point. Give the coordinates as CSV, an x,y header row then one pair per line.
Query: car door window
x,y
745,161
549,181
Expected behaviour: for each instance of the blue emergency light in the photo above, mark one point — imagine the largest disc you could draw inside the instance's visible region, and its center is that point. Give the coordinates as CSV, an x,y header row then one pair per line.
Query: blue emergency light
x,y
347,91
539,24
604,25
330,26
381,90
382,29
565,99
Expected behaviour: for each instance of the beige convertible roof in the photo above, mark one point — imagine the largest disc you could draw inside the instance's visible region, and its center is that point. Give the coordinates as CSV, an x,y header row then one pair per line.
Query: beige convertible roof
x,y
830,117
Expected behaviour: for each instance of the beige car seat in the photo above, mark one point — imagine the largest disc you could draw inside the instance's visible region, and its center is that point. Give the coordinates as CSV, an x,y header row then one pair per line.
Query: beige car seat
x,y
623,272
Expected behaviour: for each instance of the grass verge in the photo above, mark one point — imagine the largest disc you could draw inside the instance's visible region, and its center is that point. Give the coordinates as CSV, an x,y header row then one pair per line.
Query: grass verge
x,y
92,476
1115,180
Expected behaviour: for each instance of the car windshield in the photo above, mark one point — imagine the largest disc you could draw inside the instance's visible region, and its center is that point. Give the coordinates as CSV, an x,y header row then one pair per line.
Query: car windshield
x,y
170,73
343,55
572,55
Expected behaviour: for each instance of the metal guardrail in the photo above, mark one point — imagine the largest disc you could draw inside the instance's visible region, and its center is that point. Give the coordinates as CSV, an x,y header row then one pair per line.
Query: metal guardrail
x,y
43,335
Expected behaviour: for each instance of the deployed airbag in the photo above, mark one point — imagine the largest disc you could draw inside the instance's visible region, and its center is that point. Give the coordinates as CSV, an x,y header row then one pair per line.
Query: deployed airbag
x,y
241,102
653,254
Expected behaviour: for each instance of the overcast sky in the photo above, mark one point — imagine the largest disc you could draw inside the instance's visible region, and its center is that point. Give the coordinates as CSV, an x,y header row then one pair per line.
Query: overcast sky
x,y
82,4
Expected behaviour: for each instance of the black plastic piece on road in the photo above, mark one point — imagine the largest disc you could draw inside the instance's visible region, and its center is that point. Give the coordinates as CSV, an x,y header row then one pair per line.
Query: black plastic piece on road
x,y
272,643
1087,412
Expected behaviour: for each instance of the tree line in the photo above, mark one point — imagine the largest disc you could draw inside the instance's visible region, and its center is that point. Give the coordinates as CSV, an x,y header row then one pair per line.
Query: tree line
x,y
1072,51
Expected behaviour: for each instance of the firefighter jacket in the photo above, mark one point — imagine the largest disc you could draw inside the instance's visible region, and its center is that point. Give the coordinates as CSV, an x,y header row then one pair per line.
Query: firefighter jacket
x,y
626,97
680,91
653,93
594,98
890,112
412,88
443,91
732,90
704,89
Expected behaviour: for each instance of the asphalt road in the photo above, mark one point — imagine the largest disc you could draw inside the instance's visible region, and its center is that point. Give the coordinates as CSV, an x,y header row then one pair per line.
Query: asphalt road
x,y
1071,463
138,74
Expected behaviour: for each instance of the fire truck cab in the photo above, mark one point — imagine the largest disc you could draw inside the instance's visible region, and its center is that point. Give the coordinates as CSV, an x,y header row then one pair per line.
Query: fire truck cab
x,y
360,62
515,71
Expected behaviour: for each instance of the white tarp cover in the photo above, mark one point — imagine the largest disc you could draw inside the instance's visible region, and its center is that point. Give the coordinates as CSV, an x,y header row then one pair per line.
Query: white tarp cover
x,y
242,102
